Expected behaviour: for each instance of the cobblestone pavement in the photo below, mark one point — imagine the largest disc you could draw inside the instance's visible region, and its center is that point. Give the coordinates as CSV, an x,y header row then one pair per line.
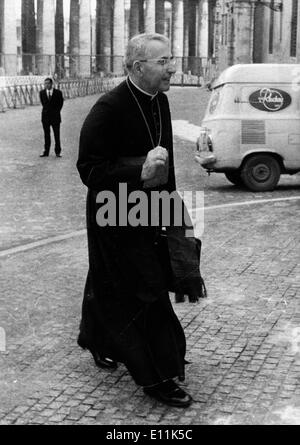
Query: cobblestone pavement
x,y
243,340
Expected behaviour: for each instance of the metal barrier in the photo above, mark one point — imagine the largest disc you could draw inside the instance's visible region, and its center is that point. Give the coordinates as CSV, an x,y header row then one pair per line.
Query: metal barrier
x,y
19,96
72,66
86,87
22,94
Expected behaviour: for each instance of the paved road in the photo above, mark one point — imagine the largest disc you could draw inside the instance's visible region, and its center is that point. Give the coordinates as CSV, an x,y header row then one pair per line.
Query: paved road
x,y
243,341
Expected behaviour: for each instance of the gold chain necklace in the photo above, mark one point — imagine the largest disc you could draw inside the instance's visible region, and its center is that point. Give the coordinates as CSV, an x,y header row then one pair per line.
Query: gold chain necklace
x,y
144,117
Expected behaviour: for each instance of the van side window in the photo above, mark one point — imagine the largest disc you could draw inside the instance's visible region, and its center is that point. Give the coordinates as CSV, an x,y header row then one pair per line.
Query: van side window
x,y
214,100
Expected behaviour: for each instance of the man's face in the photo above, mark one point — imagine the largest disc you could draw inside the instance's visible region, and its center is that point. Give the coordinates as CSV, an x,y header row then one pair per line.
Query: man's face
x,y
48,85
152,75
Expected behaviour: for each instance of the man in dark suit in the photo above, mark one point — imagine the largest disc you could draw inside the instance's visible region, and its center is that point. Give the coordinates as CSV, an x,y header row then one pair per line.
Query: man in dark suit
x,y
52,102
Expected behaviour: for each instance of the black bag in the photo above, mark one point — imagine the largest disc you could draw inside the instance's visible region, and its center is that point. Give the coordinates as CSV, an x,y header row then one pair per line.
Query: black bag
x,y
164,259
180,260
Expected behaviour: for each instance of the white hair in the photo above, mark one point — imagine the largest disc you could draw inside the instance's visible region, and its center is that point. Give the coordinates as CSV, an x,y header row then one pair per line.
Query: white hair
x,y
137,47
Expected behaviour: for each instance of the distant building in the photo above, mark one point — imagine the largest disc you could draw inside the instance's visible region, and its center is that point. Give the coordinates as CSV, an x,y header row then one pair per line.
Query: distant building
x,y
257,31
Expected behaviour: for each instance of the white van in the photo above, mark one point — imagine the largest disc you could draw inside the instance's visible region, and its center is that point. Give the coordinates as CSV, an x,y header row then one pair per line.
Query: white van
x,y
251,128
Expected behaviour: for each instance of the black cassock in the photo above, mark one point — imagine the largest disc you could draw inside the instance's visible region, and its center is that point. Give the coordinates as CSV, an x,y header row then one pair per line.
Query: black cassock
x,y
126,313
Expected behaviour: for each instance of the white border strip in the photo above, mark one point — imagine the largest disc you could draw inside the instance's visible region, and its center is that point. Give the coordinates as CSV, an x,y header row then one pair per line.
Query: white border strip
x,y
43,242
56,239
243,203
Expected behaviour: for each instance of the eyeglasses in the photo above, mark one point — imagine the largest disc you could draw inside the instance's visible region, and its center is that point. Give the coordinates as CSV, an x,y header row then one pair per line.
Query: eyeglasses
x,y
163,61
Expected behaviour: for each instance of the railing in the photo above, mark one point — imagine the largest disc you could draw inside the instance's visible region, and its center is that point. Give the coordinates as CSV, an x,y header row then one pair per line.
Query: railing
x,y
20,96
21,91
69,66
86,87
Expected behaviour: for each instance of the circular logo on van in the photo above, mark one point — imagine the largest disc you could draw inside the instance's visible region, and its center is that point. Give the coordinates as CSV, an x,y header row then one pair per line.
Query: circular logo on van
x,y
270,99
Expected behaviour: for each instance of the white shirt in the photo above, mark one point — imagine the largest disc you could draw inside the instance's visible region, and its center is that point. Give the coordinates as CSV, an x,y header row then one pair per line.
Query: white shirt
x,y
143,91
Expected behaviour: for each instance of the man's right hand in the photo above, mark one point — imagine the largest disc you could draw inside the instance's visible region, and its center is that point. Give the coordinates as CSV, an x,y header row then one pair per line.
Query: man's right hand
x,y
156,158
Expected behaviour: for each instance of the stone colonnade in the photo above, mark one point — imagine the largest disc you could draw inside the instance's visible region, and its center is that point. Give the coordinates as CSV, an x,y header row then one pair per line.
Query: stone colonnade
x,y
184,21
8,37
257,32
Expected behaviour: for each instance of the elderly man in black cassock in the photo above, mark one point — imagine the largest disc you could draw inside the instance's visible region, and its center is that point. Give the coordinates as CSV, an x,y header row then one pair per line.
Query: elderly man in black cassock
x,y
126,140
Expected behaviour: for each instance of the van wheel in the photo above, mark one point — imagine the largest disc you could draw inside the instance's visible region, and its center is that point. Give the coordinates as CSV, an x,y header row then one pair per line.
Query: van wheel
x,y
234,177
260,173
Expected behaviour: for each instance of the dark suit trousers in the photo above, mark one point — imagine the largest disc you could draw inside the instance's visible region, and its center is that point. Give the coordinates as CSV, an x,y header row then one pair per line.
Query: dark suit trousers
x,y
56,131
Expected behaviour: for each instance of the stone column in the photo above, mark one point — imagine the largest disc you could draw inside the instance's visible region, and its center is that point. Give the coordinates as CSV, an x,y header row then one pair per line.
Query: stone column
x,y
243,33
185,34
203,29
211,27
192,28
103,36
192,36
28,31
39,37
59,39
177,31
74,38
134,18
217,28
298,36
259,27
160,16
46,36
85,38
150,16
118,36
141,16
8,37
283,56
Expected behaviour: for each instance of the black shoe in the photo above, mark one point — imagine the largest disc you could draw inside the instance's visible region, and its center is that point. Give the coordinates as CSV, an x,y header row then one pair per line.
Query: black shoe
x,y
103,362
170,394
43,155
100,361
58,155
